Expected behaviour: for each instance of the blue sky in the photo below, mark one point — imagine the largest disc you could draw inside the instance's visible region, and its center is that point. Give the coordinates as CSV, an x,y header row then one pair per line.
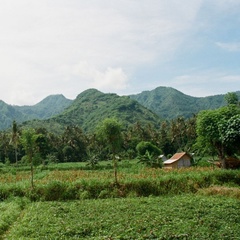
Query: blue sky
x,y
121,46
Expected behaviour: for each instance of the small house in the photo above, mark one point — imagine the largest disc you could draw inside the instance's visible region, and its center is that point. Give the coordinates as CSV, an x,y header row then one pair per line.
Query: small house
x,y
178,160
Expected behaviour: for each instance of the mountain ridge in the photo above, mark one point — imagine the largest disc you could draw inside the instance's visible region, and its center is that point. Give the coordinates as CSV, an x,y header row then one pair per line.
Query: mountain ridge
x,y
46,108
92,106
165,102
170,103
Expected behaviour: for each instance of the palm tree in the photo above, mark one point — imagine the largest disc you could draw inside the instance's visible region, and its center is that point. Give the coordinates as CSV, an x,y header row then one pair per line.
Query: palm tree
x,y
110,132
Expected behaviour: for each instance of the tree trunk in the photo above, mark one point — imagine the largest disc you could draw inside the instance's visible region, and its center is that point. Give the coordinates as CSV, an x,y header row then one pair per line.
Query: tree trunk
x,y
32,185
16,157
223,161
31,161
115,170
222,158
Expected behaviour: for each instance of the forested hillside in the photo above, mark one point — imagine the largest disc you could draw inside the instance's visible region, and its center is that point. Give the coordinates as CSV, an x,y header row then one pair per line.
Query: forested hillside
x,y
8,113
92,106
170,103
48,107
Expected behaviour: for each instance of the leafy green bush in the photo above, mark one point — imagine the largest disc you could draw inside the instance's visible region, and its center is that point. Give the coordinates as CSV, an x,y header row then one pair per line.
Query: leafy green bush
x,y
144,146
148,154
11,190
150,160
54,191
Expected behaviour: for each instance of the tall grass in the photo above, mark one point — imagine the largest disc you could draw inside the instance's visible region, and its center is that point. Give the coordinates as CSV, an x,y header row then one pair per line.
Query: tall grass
x,y
133,181
10,211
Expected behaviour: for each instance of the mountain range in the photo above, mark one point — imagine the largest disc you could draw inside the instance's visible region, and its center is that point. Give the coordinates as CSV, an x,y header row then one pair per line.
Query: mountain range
x,y
170,103
48,107
92,106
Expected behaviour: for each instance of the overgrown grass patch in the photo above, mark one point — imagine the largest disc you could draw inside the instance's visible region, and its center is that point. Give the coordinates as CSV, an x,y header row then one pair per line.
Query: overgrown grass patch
x,y
233,192
9,212
169,217
81,184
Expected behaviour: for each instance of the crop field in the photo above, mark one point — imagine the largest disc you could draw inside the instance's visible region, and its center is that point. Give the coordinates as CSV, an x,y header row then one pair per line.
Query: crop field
x,y
69,201
185,216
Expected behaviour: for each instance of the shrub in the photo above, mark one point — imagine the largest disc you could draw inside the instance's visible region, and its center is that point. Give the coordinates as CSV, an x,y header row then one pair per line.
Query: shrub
x,y
144,146
151,160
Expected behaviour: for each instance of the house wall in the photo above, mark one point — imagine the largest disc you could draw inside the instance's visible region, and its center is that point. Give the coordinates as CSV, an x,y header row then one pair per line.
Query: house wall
x,y
185,161
174,165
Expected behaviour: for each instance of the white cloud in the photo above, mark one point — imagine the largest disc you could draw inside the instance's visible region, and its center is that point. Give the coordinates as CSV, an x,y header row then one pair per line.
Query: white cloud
x,y
111,79
39,37
231,47
230,79
60,46
208,83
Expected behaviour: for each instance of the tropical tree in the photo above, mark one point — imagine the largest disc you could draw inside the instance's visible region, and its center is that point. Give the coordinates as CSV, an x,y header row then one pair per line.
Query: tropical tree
x,y
213,132
4,146
43,142
190,133
145,146
231,98
148,154
28,140
74,144
109,131
230,133
141,131
15,139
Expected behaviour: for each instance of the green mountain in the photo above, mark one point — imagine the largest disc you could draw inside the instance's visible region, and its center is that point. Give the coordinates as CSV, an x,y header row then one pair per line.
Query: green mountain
x,y
170,103
48,107
8,113
92,106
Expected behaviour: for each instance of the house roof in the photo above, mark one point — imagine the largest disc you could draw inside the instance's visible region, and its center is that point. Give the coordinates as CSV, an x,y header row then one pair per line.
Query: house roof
x,y
169,161
176,157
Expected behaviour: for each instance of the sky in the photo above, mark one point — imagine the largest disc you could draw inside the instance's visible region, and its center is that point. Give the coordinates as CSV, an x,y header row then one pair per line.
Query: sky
x,y
117,46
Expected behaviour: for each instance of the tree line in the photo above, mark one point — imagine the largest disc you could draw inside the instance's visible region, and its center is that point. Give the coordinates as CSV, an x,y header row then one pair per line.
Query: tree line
x,y
73,145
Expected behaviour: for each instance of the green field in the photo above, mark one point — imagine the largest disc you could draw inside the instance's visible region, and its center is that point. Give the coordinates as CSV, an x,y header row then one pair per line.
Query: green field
x,y
167,217
70,201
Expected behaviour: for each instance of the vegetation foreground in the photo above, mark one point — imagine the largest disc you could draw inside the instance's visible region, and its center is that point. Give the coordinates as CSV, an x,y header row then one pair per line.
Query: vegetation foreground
x,y
64,182
168,217
70,202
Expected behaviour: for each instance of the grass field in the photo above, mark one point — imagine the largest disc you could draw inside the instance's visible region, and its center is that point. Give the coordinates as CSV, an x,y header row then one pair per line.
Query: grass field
x,y
71,201
185,216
